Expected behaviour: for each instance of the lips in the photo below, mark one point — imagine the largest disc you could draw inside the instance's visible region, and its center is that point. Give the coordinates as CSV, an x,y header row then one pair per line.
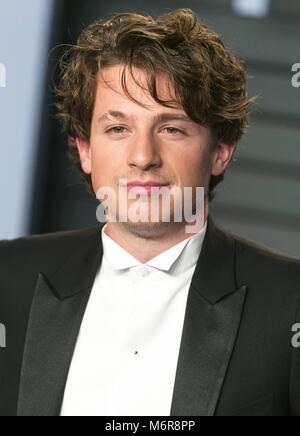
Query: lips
x,y
146,184
150,187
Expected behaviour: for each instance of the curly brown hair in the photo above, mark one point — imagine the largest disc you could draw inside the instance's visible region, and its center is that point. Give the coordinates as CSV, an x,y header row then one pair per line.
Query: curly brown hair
x,y
209,81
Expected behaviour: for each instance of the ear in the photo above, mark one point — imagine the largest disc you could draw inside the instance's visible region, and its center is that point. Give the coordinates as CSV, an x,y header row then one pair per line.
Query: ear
x,y
84,151
222,157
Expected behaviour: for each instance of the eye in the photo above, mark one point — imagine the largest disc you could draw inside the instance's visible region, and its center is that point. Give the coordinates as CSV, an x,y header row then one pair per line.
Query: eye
x,y
174,130
116,129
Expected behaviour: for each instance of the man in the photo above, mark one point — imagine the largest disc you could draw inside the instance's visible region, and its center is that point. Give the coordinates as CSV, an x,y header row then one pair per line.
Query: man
x,y
145,318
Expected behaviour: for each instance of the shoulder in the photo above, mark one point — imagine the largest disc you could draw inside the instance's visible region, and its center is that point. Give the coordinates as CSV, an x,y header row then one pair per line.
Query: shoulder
x,y
46,239
265,255
23,258
28,249
276,274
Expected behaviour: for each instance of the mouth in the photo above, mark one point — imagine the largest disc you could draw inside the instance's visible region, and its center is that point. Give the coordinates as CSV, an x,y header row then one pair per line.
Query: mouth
x,y
148,188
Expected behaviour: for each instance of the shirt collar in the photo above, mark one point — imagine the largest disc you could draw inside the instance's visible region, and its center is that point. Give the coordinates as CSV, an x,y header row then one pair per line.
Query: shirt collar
x,y
180,258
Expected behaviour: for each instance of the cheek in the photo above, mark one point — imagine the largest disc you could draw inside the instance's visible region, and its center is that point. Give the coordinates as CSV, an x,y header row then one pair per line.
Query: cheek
x,y
105,167
193,168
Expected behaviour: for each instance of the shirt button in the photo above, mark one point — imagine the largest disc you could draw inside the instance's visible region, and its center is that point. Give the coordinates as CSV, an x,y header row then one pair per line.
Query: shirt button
x,y
145,272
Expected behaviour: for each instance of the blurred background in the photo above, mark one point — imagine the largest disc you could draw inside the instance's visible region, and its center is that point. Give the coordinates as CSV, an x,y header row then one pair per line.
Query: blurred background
x,y
40,191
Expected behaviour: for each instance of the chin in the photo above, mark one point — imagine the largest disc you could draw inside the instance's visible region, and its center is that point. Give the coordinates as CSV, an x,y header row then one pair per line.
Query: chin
x,y
147,230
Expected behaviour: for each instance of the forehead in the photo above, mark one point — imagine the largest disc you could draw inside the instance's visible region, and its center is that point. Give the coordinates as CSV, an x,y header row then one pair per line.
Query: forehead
x,y
110,89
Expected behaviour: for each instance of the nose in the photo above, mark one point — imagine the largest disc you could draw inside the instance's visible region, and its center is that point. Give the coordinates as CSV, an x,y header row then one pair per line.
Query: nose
x,y
144,152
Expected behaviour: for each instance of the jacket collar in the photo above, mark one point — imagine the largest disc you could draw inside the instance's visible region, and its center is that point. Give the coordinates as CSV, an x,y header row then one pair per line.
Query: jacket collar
x,y
215,275
83,256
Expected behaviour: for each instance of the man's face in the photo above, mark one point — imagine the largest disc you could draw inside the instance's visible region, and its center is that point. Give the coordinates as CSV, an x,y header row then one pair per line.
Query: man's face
x,y
140,146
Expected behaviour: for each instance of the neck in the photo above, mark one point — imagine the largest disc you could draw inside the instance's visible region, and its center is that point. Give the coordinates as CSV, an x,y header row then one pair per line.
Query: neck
x,y
145,245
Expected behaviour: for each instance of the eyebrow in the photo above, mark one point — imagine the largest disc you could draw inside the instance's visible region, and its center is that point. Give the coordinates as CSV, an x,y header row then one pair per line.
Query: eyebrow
x,y
158,118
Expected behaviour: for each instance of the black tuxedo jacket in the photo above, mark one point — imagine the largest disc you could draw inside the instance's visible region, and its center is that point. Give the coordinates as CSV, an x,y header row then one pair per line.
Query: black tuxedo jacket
x,y
236,356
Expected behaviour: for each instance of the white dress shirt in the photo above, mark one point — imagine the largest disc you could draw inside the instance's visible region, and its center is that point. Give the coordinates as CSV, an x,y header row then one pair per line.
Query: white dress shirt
x,y
125,359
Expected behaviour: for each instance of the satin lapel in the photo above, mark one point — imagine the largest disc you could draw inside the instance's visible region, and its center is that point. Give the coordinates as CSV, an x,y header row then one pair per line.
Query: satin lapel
x,y
212,319
51,337
56,314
